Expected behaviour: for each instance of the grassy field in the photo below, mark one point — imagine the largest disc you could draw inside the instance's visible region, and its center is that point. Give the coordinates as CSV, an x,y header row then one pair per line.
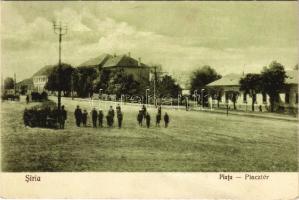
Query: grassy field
x,y
194,142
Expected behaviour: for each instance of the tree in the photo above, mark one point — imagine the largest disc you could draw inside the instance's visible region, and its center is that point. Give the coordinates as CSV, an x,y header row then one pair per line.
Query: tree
x,y
129,85
121,83
169,87
273,81
166,86
84,79
251,84
102,81
65,84
9,83
202,77
233,96
216,93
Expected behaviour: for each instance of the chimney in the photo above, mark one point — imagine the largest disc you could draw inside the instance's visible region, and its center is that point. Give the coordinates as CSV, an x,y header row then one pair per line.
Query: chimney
x,y
129,54
139,61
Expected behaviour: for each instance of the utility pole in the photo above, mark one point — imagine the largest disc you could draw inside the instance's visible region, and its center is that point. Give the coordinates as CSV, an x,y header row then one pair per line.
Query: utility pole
x,y
60,30
2,84
15,83
72,86
155,102
155,82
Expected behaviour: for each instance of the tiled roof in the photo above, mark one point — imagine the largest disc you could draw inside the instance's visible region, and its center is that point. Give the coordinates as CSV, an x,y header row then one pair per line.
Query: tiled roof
x,y
113,61
228,80
121,61
45,71
233,79
27,81
107,60
98,61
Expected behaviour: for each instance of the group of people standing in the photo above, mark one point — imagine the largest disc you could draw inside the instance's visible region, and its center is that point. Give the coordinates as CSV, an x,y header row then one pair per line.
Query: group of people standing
x,y
143,114
98,117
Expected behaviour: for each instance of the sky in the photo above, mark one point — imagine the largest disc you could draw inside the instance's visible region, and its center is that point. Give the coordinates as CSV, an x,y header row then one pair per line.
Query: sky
x,y
231,37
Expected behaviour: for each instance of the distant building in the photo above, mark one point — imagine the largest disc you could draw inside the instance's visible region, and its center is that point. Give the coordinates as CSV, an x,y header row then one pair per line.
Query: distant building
x,y
40,78
96,62
25,86
290,96
130,66
230,82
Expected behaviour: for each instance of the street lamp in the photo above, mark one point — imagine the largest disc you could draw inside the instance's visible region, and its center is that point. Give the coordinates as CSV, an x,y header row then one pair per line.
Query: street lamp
x,y
100,95
179,97
146,95
121,99
187,103
195,97
100,92
202,100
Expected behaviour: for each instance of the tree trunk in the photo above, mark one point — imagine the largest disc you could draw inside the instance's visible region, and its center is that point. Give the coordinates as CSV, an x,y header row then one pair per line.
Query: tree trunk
x,y
218,103
252,105
272,104
235,108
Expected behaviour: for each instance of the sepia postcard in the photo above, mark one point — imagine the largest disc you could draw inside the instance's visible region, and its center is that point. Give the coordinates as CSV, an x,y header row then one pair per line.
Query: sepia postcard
x,y
149,99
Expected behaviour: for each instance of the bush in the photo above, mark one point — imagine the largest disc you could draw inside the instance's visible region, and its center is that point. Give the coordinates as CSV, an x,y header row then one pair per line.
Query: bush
x,y
10,97
39,97
44,115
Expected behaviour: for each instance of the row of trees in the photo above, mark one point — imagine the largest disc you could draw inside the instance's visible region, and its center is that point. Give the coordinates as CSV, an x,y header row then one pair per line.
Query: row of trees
x,y
270,81
86,81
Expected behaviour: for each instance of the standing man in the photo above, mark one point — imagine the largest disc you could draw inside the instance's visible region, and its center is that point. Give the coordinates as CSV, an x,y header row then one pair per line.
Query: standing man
x,y
147,119
118,108
84,118
166,119
78,116
119,118
186,103
63,117
158,119
140,117
160,110
100,118
94,116
108,119
111,115
144,110
27,98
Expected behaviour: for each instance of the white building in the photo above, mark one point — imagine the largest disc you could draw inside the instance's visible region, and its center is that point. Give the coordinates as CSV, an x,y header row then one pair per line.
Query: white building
x,y
40,78
288,97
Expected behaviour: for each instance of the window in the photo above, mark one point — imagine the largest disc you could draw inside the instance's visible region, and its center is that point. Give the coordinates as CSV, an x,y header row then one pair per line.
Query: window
x,y
244,98
287,98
